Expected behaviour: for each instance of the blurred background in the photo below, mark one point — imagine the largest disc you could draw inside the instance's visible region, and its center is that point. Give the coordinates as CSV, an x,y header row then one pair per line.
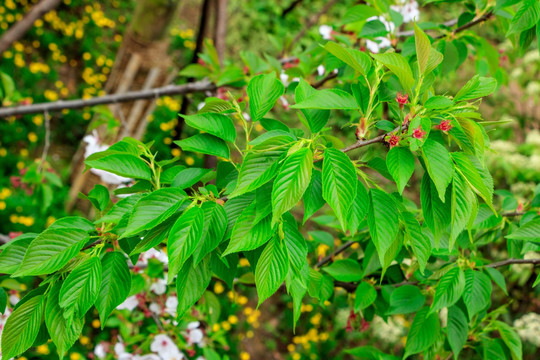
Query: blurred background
x,y
81,49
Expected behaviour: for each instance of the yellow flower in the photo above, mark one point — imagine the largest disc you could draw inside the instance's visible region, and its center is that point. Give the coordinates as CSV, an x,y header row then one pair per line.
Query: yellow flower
x,y
167,141
175,152
43,349
259,127
233,319
24,152
84,340
20,165
218,288
50,95
3,152
75,356
242,300
296,356
50,220
190,161
2,205
87,56
248,311
355,246
38,120
117,37
226,325
96,324
244,262
291,348
38,23
23,287
244,356
215,327
249,334
32,136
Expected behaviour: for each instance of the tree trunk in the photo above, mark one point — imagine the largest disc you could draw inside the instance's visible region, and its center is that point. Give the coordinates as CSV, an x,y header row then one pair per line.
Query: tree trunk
x,y
142,62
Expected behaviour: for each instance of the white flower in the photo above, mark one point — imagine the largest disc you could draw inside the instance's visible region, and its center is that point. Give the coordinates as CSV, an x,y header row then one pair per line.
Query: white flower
x,y
159,287
284,78
153,254
528,328
119,348
155,308
200,106
99,351
193,325
325,31
166,348
195,335
379,43
321,70
246,116
14,299
129,304
171,304
408,9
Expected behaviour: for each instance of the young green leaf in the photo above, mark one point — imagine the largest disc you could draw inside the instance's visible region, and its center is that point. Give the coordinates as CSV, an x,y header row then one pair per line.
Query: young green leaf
x,y
13,252
478,177
405,300
439,165
525,18
80,289
400,164
511,339
347,270
153,209
316,119
22,327
313,199
462,207
212,123
115,284
126,165
215,224
423,48
183,239
51,250
205,144
449,289
458,330
248,233
477,293
339,183
383,221
365,296
271,269
356,59
424,332
291,182
359,208
399,66
191,283
62,334
188,177
437,214
263,91
328,99
528,232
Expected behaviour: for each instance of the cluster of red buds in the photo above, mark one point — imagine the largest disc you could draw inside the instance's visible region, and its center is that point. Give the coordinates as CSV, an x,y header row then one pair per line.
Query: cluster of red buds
x,y
393,141
292,63
352,317
361,129
402,99
444,126
418,133
16,182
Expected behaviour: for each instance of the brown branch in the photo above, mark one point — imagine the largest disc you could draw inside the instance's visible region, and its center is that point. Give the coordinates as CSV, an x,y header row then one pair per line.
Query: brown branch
x,y
198,86
378,139
290,8
515,213
468,25
338,251
220,31
18,30
514,261
322,81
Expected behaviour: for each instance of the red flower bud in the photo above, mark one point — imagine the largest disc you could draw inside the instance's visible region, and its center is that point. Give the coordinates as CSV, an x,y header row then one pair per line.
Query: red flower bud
x,y
393,141
418,133
402,99
444,126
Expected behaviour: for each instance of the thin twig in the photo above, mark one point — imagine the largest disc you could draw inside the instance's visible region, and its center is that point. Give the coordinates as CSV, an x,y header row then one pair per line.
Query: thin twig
x,y
290,8
338,251
515,213
322,81
514,261
47,140
468,25
407,33
199,86
378,139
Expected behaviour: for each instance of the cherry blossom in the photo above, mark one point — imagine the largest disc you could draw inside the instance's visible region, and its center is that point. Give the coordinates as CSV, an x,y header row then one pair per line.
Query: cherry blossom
x,y
165,347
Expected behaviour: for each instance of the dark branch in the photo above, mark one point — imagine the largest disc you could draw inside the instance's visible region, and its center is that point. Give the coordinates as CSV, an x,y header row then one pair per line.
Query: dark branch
x,y
290,8
468,25
378,139
18,30
198,86
514,261
338,251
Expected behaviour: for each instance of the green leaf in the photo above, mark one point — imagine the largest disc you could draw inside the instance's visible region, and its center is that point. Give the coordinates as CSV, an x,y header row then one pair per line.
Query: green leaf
x,y
449,289
359,208
215,225
191,283
296,244
347,270
339,183
195,71
121,208
458,330
313,199
463,200
399,66
261,164
189,177
62,334
212,123
359,13
291,182
328,99
183,239
248,233
115,284
3,301
478,177
419,242
439,165
80,289
435,58
205,144
153,209
126,165
423,48
476,87
510,338
271,269
424,332
400,164
436,213
316,119
497,278
477,293
528,232
438,103
22,327
525,18
263,91
383,221
99,196
405,300
13,253
356,59
365,295
51,250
